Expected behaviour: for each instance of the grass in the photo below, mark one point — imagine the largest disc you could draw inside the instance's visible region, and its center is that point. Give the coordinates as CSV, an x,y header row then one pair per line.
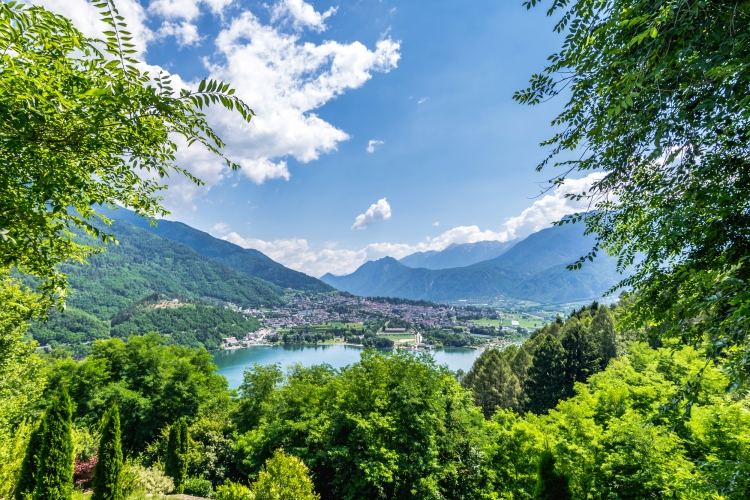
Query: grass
x,y
507,321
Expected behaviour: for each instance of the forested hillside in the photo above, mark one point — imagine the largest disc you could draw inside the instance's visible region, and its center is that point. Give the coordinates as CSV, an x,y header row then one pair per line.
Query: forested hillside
x,y
245,260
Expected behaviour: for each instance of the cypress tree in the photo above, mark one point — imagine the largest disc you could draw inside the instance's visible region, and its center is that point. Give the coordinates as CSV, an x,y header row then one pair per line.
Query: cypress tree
x,y
107,483
27,478
54,475
175,465
545,384
551,485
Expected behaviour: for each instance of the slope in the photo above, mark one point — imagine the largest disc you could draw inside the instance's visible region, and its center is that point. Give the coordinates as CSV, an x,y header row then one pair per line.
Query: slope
x,y
143,264
248,261
533,269
458,255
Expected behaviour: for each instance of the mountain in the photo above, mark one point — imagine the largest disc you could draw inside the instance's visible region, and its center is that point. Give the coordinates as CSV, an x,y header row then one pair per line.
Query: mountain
x,y
532,269
457,255
245,260
143,264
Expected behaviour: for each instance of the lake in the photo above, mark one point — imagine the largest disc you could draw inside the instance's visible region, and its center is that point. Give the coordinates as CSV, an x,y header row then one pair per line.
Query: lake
x,y
232,362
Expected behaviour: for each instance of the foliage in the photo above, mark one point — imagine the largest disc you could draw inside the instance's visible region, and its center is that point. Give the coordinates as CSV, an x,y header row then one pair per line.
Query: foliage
x,y
54,474
199,487
26,482
448,339
153,384
550,484
493,382
232,491
546,383
149,480
659,95
107,483
392,425
284,477
176,462
257,391
80,122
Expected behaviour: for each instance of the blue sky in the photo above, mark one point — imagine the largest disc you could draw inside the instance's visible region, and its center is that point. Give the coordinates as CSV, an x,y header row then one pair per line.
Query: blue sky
x,y
427,85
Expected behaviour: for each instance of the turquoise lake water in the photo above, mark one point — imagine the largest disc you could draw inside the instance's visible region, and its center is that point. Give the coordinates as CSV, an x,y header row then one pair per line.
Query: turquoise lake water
x,y
232,363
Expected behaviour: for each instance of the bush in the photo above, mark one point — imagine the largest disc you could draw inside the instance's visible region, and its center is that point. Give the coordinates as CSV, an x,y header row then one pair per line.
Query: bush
x,y
198,487
232,491
150,480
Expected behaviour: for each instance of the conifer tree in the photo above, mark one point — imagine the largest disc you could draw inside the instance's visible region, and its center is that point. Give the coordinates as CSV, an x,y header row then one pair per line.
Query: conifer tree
x,y
550,484
54,475
175,465
581,354
27,478
603,332
107,484
545,384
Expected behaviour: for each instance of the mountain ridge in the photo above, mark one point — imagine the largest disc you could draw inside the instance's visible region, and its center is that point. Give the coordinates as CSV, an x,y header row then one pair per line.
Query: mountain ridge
x,y
458,255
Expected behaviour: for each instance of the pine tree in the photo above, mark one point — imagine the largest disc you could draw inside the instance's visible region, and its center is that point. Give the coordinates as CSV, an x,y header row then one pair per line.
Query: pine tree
x,y
603,331
107,484
581,354
54,475
175,465
27,478
545,384
551,485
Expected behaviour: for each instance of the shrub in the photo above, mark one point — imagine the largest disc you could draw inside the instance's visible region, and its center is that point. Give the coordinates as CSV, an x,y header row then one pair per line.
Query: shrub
x,y
150,480
198,487
232,491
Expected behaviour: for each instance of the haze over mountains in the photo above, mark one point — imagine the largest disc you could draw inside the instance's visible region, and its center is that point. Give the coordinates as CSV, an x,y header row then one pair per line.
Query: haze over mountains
x,y
532,269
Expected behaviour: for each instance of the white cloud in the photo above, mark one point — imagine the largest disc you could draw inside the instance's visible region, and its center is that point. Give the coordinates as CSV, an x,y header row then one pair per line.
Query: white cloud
x,y
220,228
284,81
373,144
297,253
377,211
436,224
185,33
423,100
186,9
301,14
87,19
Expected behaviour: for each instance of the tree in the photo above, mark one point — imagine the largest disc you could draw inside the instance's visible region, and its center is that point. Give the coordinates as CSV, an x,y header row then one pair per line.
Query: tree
x,y
285,477
27,478
581,356
550,484
659,95
492,383
603,333
257,389
54,475
545,384
176,462
107,483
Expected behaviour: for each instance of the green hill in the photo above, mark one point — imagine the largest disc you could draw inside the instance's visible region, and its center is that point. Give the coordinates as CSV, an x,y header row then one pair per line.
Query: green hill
x,y
110,295
245,260
143,264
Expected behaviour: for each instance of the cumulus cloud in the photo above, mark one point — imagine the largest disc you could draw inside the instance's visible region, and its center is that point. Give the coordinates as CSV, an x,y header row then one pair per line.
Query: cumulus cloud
x,y
185,33
301,14
373,144
436,224
298,254
377,211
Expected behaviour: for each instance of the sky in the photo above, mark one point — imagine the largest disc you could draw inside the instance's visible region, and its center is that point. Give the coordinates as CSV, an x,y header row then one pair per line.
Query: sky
x,y
383,127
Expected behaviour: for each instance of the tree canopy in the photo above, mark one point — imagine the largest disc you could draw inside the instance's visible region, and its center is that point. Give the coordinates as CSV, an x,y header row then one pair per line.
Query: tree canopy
x,y
658,103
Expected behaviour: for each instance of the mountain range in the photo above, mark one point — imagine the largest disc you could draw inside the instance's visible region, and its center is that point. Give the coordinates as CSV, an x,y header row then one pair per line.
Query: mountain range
x,y
458,255
245,260
532,269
